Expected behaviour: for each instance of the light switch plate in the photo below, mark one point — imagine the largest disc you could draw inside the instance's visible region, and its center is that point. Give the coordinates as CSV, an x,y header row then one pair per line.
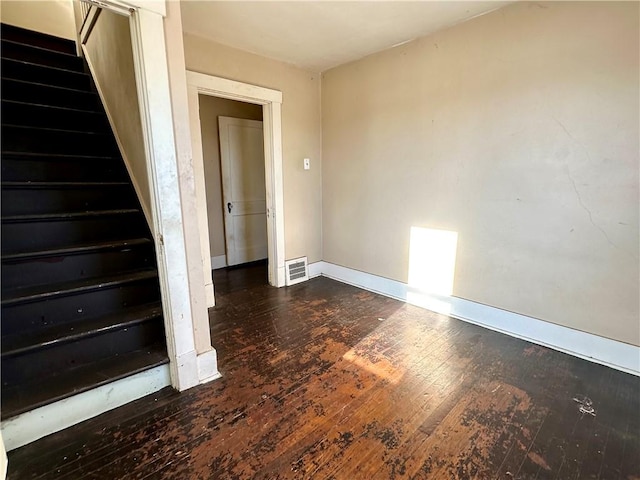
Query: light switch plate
x,y
307,164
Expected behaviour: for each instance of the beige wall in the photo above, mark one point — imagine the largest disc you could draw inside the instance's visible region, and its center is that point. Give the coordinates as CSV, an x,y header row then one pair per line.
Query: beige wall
x,y
301,133
519,131
54,17
109,55
210,109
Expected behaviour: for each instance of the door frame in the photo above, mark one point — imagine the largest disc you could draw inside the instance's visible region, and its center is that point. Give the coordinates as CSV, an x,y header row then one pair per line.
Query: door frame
x,y
271,101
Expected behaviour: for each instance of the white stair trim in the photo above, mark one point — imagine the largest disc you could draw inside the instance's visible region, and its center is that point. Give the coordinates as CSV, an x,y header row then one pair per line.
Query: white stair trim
x,y
35,424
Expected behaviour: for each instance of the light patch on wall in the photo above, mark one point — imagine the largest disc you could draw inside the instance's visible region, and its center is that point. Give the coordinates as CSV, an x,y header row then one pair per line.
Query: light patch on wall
x,y
432,265
432,260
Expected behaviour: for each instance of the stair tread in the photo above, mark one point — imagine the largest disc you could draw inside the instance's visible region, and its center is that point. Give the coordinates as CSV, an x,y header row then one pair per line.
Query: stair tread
x,y
37,47
26,62
35,185
35,37
76,249
28,396
43,292
51,129
66,215
53,107
56,87
62,156
58,334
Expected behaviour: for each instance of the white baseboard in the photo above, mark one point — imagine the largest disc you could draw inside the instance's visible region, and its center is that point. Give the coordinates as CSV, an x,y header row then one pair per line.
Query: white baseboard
x,y
605,351
43,421
218,262
208,366
315,269
3,460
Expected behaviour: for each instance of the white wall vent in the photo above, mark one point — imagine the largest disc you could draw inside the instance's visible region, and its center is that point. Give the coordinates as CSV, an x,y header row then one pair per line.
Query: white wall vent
x,y
296,270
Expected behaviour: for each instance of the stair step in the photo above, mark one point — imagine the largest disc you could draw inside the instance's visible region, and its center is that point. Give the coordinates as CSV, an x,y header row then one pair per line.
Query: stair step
x,y
47,269
44,232
39,362
57,168
42,94
51,116
25,397
66,216
32,72
58,156
59,132
40,56
26,198
59,185
47,140
39,293
31,37
76,250
13,345
24,318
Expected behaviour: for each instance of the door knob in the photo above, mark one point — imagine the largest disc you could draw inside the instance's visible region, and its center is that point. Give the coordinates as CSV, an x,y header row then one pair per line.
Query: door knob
x,y
229,207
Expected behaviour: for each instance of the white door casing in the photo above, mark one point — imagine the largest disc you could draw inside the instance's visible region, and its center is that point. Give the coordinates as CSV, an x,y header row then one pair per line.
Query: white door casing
x,y
243,189
201,192
271,101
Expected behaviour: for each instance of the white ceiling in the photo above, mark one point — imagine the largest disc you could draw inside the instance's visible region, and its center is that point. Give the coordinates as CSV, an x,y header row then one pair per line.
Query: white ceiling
x,y
318,35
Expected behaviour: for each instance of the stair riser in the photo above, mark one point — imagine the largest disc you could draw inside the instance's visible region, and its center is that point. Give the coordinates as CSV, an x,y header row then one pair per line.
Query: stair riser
x,y
20,237
16,201
45,95
39,116
49,42
46,361
52,169
54,142
75,267
29,72
29,317
39,56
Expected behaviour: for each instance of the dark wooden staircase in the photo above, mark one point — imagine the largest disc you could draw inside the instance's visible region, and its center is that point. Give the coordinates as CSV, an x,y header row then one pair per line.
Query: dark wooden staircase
x,y
80,293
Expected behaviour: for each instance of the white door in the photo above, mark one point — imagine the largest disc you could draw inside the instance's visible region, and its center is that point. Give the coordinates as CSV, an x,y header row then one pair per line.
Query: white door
x,y
243,189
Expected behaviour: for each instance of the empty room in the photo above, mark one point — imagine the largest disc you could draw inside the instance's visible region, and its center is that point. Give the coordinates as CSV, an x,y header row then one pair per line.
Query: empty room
x,y
320,240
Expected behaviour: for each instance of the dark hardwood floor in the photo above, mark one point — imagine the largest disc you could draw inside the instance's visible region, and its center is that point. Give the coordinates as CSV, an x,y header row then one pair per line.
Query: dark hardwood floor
x,y
323,380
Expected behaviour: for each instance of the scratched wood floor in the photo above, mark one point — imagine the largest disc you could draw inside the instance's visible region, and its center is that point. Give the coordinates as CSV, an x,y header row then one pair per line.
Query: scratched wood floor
x,y
326,381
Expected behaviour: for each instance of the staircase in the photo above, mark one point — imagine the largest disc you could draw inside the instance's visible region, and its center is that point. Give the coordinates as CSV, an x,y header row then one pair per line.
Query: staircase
x,y
80,292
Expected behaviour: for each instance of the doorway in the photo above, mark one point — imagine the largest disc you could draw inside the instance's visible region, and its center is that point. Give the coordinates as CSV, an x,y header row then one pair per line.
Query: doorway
x,y
271,103
233,160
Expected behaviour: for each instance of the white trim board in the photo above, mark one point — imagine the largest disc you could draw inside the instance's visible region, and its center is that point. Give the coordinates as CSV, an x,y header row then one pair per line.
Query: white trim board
x,y
271,101
315,269
30,426
594,348
123,7
225,88
158,56
218,262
